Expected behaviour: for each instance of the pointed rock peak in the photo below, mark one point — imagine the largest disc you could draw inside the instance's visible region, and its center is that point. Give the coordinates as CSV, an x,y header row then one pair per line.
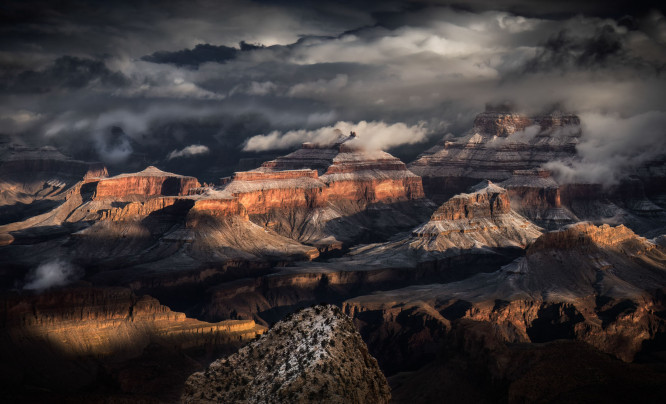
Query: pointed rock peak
x,y
314,355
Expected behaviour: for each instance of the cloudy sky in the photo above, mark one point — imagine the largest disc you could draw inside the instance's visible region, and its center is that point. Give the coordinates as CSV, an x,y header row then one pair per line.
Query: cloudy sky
x,y
196,85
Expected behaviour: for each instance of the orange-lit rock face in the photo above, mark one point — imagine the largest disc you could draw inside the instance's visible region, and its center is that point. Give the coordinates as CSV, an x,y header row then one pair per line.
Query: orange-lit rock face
x,y
366,177
260,191
112,321
583,234
149,182
140,209
217,207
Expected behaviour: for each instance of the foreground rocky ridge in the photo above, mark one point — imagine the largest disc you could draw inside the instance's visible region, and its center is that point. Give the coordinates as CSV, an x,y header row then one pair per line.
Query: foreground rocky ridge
x,y
315,355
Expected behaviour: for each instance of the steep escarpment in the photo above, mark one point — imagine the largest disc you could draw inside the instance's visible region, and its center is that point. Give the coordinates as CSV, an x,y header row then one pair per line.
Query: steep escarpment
x,y
601,285
146,183
314,355
536,195
66,340
498,144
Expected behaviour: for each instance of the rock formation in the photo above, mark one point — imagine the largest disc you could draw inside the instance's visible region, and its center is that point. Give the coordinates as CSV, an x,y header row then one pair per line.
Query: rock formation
x,y
498,144
477,222
71,338
314,355
326,195
35,180
471,233
536,195
602,285
149,182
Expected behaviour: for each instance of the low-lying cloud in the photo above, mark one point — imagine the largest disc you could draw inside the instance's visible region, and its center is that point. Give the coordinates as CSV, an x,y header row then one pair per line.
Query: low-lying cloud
x,y
370,136
613,147
52,274
189,151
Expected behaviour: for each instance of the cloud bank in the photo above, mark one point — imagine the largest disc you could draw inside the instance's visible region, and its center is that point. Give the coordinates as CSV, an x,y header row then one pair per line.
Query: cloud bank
x,y
129,83
370,136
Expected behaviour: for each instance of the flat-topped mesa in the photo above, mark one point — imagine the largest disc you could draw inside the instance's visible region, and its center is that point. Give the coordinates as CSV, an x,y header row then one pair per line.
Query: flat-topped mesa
x,y
316,174
261,190
370,177
536,195
497,145
149,182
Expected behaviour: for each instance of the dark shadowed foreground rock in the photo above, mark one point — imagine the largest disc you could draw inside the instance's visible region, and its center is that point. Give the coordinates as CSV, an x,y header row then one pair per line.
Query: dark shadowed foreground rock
x,y
315,355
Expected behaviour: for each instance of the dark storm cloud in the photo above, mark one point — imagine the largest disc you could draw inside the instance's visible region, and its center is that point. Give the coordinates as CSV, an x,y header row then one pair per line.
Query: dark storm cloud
x,y
140,80
201,53
66,72
564,50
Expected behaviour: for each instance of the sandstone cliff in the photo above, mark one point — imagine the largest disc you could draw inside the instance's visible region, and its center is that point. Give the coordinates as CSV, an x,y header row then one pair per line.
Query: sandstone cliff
x,y
476,222
149,182
74,340
332,194
314,355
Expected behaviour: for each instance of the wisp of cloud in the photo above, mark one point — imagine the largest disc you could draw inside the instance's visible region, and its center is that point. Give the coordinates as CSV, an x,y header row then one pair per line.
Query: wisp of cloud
x,y
51,274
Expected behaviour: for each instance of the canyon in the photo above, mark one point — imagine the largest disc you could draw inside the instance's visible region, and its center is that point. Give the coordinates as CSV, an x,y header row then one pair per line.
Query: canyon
x,y
473,263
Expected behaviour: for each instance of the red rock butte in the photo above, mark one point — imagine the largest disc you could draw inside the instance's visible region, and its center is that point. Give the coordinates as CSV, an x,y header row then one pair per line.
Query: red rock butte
x,y
149,182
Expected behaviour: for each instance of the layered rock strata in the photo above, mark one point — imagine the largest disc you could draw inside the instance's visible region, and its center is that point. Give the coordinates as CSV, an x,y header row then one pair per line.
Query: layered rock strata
x,y
314,355
600,285
479,221
498,144
72,341
149,182
35,180
329,194
536,195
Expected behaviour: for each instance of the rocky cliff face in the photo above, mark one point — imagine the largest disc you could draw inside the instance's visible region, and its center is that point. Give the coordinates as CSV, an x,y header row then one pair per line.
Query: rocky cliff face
x,y
596,284
497,145
149,182
315,355
329,195
474,223
536,195
68,339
